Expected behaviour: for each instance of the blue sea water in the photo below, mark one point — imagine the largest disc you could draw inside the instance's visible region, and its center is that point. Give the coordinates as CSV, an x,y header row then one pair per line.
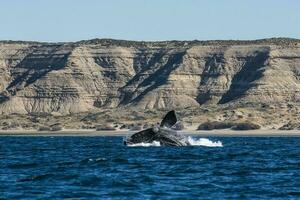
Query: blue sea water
x,y
102,168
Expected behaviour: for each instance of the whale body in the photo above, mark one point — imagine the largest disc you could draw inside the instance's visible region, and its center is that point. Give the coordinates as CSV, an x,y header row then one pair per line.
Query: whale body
x,y
164,134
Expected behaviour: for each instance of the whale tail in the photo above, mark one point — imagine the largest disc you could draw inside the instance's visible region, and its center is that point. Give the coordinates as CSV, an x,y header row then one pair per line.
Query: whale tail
x,y
151,134
169,120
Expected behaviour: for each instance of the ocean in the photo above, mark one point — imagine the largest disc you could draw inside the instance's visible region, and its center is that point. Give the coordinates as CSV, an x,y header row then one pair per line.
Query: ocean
x,y
102,168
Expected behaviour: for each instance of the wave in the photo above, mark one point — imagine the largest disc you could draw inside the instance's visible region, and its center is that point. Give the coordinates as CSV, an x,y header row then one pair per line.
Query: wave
x,y
192,141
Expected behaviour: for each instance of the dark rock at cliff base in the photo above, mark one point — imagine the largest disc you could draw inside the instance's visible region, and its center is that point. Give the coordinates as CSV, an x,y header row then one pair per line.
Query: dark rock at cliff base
x,y
228,125
245,126
290,126
105,127
215,125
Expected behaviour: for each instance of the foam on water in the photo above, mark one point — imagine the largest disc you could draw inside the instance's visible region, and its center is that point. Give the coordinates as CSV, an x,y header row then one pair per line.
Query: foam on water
x,y
152,144
204,142
193,142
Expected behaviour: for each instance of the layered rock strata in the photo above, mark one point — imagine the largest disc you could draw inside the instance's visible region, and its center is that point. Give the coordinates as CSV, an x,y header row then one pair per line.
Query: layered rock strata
x,y
102,74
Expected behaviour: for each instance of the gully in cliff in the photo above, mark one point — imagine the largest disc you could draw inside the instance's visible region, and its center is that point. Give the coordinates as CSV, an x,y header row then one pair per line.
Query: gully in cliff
x,y
163,133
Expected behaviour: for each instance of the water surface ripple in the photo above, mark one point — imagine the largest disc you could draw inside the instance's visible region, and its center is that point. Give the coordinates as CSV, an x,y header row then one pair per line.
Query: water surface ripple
x,y
102,168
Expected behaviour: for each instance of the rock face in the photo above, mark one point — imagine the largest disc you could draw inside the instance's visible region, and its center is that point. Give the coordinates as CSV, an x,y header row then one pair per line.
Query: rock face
x,y
100,74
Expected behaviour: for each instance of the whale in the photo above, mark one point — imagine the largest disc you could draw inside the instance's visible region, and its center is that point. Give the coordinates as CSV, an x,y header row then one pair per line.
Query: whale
x,y
163,133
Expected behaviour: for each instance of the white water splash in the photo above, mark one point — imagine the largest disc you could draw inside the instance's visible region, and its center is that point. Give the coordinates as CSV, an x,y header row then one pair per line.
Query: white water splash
x,y
192,142
204,142
152,144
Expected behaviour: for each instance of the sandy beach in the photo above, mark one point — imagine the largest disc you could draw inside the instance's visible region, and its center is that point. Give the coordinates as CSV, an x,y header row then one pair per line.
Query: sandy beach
x,y
211,133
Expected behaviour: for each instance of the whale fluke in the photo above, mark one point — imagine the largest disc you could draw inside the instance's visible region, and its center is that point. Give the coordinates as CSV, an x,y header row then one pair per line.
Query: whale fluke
x,y
164,134
169,120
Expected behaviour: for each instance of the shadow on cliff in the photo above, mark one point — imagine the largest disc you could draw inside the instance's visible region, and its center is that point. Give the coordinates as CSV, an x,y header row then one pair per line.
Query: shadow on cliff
x,y
147,66
212,70
244,79
154,80
35,68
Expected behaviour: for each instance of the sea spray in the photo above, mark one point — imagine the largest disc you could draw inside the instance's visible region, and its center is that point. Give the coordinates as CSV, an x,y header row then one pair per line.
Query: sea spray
x,y
204,142
143,144
192,141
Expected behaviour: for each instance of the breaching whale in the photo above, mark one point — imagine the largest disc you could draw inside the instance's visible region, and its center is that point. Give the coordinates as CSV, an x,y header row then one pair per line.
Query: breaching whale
x,y
163,133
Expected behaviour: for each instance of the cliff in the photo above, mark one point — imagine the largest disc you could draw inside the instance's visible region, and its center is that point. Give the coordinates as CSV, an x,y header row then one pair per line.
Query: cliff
x,y
102,74
86,75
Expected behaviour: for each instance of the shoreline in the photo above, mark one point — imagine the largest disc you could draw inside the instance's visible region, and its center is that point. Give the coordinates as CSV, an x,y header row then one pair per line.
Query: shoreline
x,y
210,133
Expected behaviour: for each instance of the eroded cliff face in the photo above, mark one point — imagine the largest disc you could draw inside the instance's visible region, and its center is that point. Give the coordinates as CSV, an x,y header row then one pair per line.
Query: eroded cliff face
x,y
100,74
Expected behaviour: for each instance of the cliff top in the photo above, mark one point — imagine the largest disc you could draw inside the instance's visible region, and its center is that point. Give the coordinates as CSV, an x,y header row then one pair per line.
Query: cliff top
x,y
171,43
